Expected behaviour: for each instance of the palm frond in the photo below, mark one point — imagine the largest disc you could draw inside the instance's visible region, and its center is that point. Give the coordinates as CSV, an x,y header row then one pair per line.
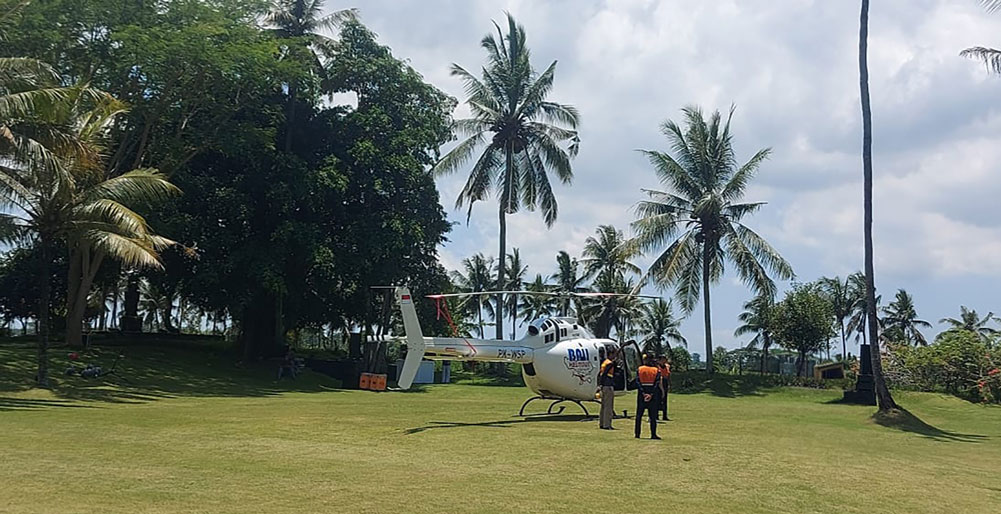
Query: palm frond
x,y
990,57
738,182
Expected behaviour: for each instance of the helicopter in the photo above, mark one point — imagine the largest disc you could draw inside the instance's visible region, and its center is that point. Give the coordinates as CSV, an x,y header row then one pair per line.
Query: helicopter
x,y
560,359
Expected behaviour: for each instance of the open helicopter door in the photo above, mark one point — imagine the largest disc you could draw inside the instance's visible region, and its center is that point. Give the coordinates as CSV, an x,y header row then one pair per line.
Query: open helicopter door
x,y
632,359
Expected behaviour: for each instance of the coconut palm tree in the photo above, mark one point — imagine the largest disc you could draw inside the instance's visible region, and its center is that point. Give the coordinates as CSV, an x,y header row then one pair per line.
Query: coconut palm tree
x,y
883,397
608,253
842,298
620,313
970,321
757,319
661,327
302,25
901,319
567,281
477,276
515,281
523,136
700,217
72,200
534,307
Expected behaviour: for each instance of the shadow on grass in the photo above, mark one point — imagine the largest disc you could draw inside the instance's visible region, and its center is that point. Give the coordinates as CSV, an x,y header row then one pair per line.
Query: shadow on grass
x,y
901,419
146,374
507,423
718,384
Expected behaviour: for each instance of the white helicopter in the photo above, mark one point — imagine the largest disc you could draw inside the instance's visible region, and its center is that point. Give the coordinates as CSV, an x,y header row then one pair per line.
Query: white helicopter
x,y
560,359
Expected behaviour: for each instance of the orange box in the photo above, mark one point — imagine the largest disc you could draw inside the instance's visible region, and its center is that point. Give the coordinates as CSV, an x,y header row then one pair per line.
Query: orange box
x,y
378,382
365,381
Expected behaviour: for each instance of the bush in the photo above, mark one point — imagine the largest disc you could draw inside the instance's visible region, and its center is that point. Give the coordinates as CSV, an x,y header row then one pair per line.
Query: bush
x,y
959,363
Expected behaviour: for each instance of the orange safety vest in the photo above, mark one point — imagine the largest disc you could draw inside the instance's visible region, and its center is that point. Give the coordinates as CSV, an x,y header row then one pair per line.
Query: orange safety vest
x,y
606,376
665,370
648,376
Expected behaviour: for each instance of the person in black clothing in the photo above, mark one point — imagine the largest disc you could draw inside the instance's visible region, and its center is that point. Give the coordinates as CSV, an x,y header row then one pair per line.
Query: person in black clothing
x,y
648,395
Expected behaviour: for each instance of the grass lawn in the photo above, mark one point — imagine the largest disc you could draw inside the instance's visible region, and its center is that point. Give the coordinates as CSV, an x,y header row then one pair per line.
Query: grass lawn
x,y
194,433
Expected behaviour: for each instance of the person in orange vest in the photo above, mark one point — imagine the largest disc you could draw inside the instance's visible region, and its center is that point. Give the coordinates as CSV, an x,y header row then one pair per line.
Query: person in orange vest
x,y
606,379
665,377
649,394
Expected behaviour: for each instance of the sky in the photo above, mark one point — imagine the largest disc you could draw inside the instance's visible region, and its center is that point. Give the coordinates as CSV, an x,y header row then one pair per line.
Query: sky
x,y
791,69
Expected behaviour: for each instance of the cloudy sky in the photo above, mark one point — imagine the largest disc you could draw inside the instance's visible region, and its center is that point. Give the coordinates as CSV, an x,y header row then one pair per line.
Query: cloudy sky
x,y
790,67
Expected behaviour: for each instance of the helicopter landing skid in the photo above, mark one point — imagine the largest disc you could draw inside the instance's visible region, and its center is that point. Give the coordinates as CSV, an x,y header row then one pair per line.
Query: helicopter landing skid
x,y
556,401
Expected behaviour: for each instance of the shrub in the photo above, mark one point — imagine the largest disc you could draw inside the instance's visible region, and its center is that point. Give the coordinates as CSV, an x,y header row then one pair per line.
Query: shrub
x,y
959,363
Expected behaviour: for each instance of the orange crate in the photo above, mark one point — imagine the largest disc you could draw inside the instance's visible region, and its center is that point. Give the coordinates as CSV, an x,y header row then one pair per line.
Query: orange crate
x,y
378,382
365,381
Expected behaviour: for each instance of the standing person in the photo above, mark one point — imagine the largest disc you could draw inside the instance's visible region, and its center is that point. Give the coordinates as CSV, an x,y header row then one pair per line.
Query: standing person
x,y
665,378
648,395
606,379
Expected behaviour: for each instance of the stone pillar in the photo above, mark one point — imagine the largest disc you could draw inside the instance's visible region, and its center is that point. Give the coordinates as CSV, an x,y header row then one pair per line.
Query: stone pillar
x,y
865,386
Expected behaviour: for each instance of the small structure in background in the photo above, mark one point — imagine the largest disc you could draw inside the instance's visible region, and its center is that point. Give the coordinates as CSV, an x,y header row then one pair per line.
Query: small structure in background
x,y
830,370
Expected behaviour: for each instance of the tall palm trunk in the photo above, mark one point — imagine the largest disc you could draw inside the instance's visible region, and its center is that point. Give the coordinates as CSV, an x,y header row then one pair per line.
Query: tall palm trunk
x,y
514,315
502,252
705,299
882,392
42,378
844,342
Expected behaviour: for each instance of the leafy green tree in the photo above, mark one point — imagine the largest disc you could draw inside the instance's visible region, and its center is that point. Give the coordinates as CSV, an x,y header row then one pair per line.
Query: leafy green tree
x,y
661,327
858,320
901,322
680,359
608,254
802,322
758,319
522,135
567,281
970,321
516,271
884,399
700,217
476,277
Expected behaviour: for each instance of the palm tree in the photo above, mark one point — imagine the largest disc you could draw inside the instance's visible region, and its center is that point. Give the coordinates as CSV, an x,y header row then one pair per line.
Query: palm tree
x,y
477,277
757,319
521,133
991,57
302,25
840,294
515,281
901,318
970,321
603,314
609,254
701,219
567,281
661,327
76,202
534,307
882,392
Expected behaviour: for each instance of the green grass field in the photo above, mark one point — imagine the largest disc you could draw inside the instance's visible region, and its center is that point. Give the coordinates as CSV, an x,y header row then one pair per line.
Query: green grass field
x,y
194,433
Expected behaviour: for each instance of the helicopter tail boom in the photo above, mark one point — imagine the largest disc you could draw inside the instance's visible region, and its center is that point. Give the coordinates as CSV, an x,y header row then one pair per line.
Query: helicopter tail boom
x,y
448,348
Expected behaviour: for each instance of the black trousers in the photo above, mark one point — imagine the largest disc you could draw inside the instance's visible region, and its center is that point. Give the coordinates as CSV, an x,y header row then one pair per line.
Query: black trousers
x,y
651,408
663,404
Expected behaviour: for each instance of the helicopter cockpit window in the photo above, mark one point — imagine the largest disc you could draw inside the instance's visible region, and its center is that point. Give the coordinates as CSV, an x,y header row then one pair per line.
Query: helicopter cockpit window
x,y
533,330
